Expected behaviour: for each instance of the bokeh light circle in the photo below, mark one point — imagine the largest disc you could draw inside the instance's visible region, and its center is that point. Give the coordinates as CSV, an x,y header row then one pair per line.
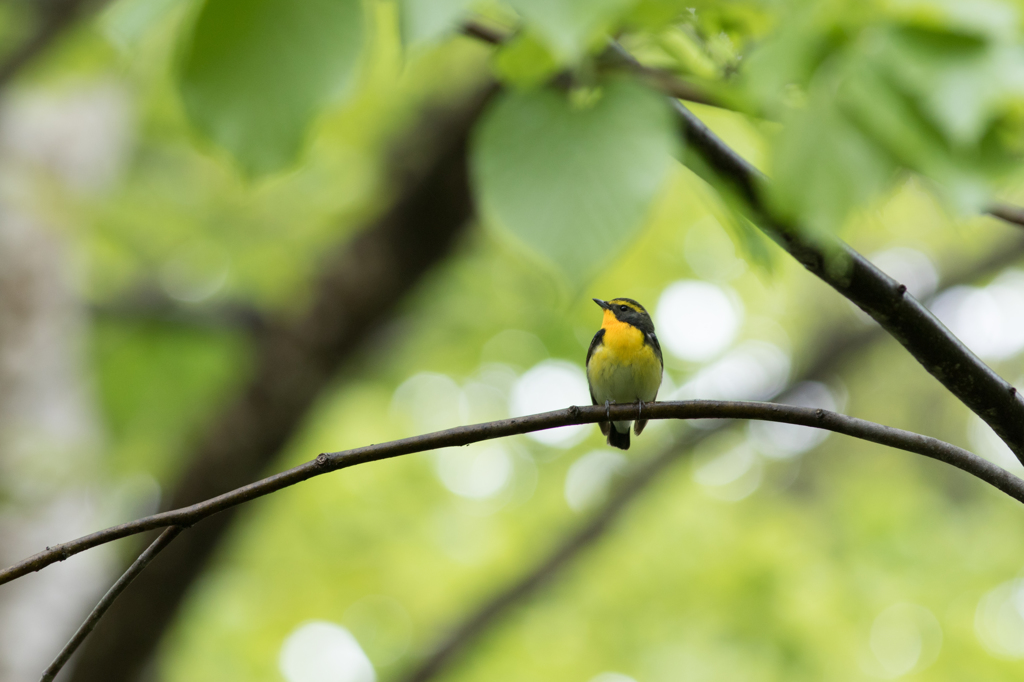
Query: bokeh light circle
x,y
697,321
320,651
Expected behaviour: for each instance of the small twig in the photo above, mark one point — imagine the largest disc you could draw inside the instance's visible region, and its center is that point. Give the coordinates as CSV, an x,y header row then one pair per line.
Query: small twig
x,y
1007,212
94,617
55,17
488,34
464,435
659,79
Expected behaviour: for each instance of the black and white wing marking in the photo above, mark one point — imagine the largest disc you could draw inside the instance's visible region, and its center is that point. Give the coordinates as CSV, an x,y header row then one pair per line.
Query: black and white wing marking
x,y
649,337
595,343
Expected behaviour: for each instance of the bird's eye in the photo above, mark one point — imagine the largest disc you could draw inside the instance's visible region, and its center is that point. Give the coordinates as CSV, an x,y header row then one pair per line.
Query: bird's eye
x,y
623,308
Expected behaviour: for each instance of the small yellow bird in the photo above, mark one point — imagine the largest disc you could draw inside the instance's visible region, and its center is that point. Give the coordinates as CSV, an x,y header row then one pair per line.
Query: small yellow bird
x,y
624,364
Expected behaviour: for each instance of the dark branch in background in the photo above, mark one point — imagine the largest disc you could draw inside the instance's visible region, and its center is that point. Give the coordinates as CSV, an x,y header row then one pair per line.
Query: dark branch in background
x,y
149,304
571,416
659,79
83,631
942,354
1008,212
840,345
356,294
53,17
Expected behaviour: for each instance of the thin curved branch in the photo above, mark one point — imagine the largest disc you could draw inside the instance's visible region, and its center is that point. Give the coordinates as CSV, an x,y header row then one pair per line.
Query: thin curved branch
x,y
116,589
838,346
464,435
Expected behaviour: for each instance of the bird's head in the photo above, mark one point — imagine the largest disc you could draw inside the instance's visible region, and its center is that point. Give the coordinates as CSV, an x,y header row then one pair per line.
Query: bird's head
x,y
628,311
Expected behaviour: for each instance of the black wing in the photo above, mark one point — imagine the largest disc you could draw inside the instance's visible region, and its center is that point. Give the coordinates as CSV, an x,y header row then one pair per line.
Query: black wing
x,y
650,338
594,343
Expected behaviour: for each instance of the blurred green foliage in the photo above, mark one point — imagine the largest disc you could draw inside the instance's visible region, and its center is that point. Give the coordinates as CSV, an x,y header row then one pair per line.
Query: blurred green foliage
x,y
533,148
255,73
883,122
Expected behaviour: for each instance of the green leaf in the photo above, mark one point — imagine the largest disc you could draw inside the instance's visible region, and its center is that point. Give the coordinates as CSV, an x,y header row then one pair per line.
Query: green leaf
x,y
824,166
425,21
573,183
255,72
569,25
125,23
524,62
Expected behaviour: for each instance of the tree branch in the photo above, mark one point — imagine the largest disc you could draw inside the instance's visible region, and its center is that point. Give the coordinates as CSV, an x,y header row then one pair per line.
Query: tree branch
x,y
658,79
574,415
839,345
942,354
118,587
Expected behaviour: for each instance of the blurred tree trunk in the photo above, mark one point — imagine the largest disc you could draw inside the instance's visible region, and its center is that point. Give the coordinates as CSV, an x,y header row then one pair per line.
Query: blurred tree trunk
x,y
48,447
50,433
358,290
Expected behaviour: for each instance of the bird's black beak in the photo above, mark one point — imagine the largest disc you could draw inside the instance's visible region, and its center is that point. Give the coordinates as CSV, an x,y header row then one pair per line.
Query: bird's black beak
x,y
603,304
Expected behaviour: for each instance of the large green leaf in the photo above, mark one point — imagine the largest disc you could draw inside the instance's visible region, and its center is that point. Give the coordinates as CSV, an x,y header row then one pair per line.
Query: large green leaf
x,y
569,25
255,72
824,166
424,21
573,183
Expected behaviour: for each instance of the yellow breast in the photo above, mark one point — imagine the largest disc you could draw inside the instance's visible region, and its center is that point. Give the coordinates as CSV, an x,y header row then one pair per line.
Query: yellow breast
x,y
623,340
623,368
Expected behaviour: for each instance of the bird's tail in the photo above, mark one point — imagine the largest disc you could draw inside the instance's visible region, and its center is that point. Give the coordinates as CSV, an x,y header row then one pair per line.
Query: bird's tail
x,y
618,439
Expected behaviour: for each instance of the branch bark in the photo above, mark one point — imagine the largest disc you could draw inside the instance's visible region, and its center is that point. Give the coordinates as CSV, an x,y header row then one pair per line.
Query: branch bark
x,y
943,355
848,272
105,603
570,416
839,346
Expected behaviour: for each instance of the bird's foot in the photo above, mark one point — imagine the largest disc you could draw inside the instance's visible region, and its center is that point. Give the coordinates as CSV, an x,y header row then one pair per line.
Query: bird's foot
x,y
608,410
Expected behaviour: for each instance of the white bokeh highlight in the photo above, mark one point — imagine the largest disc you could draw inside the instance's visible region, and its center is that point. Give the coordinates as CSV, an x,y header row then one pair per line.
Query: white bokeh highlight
x,y
552,385
732,475
697,321
904,638
429,401
754,370
986,443
478,472
590,476
611,677
999,620
783,441
990,319
909,267
320,651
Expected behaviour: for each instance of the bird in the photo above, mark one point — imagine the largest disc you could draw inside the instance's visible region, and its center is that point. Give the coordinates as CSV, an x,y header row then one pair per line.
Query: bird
x,y
624,364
